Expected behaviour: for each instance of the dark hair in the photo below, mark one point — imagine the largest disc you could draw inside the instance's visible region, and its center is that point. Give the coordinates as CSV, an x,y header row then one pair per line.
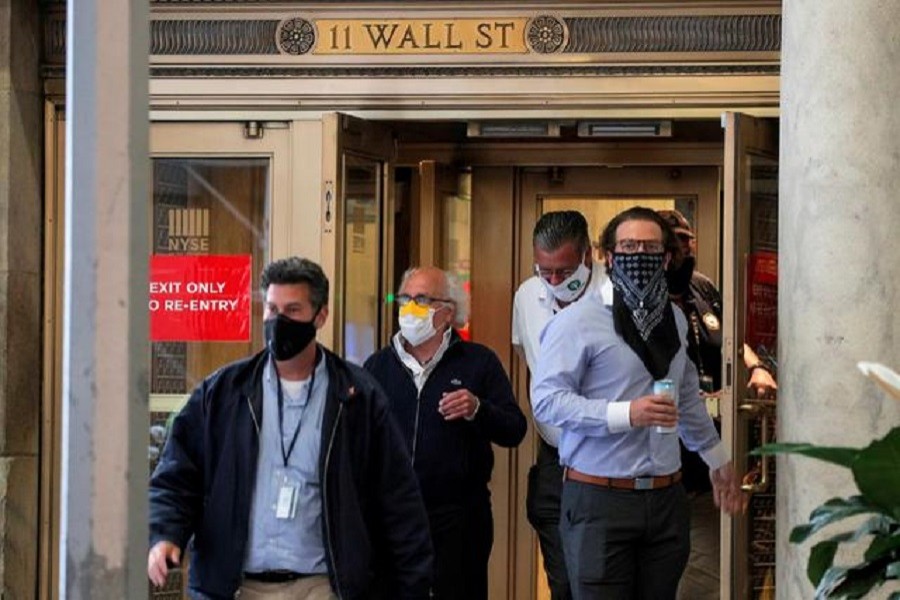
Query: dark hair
x,y
556,228
298,270
640,213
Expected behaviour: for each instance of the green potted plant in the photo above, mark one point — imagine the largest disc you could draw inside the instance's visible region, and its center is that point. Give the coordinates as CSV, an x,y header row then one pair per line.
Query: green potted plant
x,y
876,472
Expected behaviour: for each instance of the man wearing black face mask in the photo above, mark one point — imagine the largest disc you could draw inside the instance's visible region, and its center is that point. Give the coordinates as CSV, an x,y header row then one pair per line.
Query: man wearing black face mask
x,y
604,363
286,473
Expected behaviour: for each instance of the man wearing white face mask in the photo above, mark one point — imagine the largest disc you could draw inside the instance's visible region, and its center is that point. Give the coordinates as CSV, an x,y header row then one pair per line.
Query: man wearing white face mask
x,y
563,273
451,399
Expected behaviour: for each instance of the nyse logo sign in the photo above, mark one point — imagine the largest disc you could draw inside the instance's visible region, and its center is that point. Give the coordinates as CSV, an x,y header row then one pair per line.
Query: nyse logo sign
x,y
188,230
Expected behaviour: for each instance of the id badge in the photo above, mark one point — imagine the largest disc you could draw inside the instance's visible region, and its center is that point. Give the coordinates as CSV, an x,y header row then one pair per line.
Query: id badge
x,y
287,493
286,507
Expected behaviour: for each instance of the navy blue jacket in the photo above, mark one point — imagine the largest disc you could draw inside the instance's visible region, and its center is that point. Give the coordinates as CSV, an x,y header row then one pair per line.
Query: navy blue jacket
x,y
453,459
375,527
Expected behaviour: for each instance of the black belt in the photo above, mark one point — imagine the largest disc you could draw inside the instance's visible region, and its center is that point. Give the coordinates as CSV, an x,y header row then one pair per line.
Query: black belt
x,y
276,576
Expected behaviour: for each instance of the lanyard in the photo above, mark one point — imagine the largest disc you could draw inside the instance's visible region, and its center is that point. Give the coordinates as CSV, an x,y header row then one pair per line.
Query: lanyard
x,y
312,382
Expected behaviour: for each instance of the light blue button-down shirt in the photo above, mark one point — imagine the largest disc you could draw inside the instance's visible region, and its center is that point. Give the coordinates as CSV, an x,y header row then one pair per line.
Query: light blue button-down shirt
x,y
585,379
291,544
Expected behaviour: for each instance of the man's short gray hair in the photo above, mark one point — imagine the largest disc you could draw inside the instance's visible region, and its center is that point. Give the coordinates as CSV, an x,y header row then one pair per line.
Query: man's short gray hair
x,y
453,291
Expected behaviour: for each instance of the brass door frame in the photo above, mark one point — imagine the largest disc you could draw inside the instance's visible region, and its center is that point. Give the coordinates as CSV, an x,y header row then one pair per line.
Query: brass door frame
x,y
744,136
51,403
492,281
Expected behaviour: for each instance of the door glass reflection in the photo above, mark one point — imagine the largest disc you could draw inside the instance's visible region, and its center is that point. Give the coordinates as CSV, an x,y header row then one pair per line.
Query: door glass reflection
x,y
362,264
203,207
456,251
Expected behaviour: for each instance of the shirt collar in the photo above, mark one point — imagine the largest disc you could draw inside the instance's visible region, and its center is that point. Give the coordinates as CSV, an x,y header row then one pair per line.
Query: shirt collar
x,y
606,292
319,369
410,361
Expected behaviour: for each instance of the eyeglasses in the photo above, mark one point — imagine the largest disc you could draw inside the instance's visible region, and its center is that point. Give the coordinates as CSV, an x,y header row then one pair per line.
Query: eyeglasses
x,y
548,273
420,299
634,246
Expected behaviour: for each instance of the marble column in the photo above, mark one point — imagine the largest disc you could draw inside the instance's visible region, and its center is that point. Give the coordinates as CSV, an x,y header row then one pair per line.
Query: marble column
x,y
103,546
839,226
21,172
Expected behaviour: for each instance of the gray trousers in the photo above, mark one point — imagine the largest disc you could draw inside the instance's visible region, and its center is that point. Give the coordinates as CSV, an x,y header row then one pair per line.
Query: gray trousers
x,y
542,503
622,544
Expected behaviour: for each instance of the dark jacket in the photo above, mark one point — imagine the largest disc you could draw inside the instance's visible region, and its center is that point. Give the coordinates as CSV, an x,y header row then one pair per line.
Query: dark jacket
x,y
375,527
453,459
703,309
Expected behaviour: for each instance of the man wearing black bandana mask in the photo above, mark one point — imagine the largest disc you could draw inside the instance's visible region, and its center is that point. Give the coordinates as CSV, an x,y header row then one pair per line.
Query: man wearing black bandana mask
x,y
625,514
287,472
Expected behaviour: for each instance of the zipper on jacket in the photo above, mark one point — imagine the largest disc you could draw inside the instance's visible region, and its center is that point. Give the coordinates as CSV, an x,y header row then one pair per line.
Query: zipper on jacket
x,y
253,415
337,579
415,440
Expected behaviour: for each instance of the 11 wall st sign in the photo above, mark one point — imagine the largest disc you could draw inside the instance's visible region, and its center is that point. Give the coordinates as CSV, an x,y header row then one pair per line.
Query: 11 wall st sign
x,y
514,35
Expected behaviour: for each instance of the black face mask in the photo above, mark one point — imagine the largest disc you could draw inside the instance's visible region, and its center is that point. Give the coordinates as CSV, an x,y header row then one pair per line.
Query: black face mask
x,y
286,338
679,278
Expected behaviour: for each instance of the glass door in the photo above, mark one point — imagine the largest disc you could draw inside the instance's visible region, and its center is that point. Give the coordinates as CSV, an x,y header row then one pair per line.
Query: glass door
x,y
219,195
357,222
749,293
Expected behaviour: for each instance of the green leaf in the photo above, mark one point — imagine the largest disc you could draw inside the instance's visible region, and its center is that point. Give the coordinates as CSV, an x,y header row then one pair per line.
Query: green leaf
x,y
876,471
832,511
894,596
821,558
834,454
893,571
883,545
830,580
860,579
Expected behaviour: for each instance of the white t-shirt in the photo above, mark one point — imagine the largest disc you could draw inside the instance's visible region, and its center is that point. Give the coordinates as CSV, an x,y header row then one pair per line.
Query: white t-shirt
x,y
533,308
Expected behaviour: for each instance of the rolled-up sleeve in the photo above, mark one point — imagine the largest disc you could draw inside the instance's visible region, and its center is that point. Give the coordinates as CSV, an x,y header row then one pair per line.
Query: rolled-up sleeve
x,y
695,426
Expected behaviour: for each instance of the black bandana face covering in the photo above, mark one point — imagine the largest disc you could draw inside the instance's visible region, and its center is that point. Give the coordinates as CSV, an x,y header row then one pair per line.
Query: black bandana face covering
x,y
286,338
641,280
642,314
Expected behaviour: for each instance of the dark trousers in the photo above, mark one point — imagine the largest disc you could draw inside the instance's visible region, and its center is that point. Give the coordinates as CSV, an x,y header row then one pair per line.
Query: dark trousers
x,y
625,545
542,504
462,539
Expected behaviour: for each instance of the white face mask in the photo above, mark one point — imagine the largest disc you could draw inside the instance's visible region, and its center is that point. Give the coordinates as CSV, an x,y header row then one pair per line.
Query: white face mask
x,y
417,329
571,288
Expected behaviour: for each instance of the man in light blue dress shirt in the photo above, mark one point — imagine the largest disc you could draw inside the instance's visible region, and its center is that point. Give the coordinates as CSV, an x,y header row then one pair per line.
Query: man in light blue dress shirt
x,y
625,515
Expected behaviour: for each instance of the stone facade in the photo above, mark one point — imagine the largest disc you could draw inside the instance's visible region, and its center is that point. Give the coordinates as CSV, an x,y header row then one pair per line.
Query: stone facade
x,y
21,176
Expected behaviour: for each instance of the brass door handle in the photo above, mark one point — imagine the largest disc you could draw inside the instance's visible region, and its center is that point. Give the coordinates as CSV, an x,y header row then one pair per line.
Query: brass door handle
x,y
762,409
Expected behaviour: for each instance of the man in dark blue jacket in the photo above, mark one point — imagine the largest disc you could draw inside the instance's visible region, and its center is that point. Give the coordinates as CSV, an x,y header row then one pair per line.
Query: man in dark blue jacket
x,y
451,399
286,473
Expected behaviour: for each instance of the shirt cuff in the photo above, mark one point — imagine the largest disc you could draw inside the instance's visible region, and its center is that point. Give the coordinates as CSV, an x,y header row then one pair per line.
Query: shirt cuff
x,y
618,417
716,456
474,412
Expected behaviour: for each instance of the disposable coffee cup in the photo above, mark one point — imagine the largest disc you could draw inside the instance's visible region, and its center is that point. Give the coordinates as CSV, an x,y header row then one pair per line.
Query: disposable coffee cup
x,y
666,387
